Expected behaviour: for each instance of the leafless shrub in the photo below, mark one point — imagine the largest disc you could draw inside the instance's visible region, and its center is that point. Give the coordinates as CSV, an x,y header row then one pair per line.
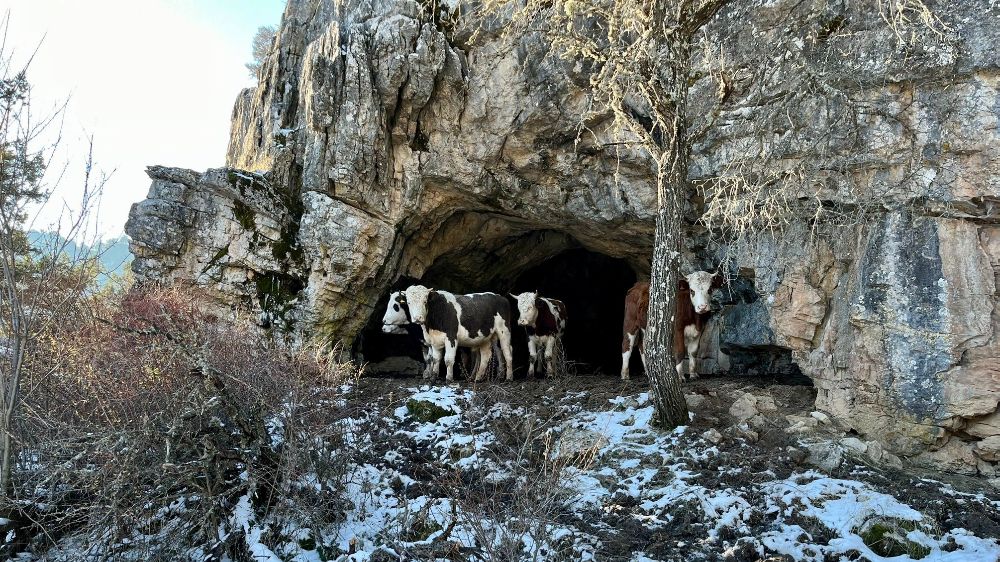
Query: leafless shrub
x,y
515,516
150,424
561,365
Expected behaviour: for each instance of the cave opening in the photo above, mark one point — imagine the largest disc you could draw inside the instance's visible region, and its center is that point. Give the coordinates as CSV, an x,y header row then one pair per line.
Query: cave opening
x,y
592,285
738,341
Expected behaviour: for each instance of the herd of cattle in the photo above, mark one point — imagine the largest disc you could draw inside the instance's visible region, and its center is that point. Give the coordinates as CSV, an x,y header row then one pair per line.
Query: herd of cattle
x,y
446,321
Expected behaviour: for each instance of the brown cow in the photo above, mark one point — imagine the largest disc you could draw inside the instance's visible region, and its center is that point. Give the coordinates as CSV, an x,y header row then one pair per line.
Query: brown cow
x,y
636,309
693,308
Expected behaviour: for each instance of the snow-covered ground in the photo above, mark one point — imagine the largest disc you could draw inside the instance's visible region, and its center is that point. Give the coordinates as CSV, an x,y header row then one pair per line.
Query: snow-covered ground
x,y
500,472
602,484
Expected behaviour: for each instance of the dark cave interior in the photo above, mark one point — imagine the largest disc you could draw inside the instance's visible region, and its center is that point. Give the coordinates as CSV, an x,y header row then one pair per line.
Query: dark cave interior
x,y
593,286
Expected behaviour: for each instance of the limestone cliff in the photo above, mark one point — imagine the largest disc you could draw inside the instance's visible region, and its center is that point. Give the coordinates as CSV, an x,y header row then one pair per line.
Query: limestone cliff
x,y
381,142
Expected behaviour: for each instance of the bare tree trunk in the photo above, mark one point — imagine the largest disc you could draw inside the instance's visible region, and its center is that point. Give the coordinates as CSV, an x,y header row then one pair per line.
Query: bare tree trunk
x,y
10,381
6,457
668,400
672,190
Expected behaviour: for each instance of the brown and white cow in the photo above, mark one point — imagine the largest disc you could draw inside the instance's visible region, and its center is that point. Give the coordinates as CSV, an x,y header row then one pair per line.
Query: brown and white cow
x,y
449,321
544,319
692,312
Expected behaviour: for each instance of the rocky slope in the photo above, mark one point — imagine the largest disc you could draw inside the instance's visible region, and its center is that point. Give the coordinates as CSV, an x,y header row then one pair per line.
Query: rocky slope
x,y
382,142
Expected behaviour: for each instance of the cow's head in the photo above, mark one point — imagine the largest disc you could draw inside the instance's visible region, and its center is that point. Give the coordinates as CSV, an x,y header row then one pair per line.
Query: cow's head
x,y
527,312
700,285
397,313
416,299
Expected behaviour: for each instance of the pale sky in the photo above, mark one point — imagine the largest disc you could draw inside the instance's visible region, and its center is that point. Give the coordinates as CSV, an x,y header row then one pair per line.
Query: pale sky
x,y
153,81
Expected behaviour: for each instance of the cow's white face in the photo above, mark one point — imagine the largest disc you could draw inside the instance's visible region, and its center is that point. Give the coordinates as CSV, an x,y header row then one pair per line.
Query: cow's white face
x,y
527,313
701,284
416,299
395,313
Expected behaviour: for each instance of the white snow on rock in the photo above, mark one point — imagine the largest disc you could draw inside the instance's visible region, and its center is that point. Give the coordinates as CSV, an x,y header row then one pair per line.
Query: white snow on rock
x,y
844,506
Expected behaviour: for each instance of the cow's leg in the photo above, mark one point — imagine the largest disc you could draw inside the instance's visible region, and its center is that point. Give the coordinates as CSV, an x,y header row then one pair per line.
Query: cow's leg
x,y
508,355
430,365
450,349
503,335
691,338
485,354
435,363
628,342
550,350
532,355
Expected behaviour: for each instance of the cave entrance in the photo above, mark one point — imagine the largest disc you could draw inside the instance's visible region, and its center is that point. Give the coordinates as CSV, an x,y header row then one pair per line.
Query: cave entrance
x,y
388,354
738,340
592,284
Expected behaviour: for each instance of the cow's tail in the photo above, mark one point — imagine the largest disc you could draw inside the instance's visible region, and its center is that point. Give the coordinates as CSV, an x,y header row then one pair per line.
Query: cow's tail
x,y
505,344
506,313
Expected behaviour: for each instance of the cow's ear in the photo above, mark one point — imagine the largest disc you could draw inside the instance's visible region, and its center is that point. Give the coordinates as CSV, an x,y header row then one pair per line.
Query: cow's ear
x,y
717,280
682,284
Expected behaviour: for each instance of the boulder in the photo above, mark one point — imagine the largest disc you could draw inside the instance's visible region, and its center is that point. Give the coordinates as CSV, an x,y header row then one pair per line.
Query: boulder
x,y
820,417
854,445
988,449
874,451
798,456
744,408
712,435
694,400
826,455
807,421
765,404
575,443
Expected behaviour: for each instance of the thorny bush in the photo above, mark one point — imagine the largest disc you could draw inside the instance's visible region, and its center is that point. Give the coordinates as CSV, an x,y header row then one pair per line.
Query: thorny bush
x,y
148,418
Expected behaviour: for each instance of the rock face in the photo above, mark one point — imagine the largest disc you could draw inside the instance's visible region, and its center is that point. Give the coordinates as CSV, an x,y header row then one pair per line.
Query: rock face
x,y
382,142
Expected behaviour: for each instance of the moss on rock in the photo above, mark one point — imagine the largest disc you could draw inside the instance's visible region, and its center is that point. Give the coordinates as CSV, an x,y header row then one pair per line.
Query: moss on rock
x,y
425,411
887,537
244,215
